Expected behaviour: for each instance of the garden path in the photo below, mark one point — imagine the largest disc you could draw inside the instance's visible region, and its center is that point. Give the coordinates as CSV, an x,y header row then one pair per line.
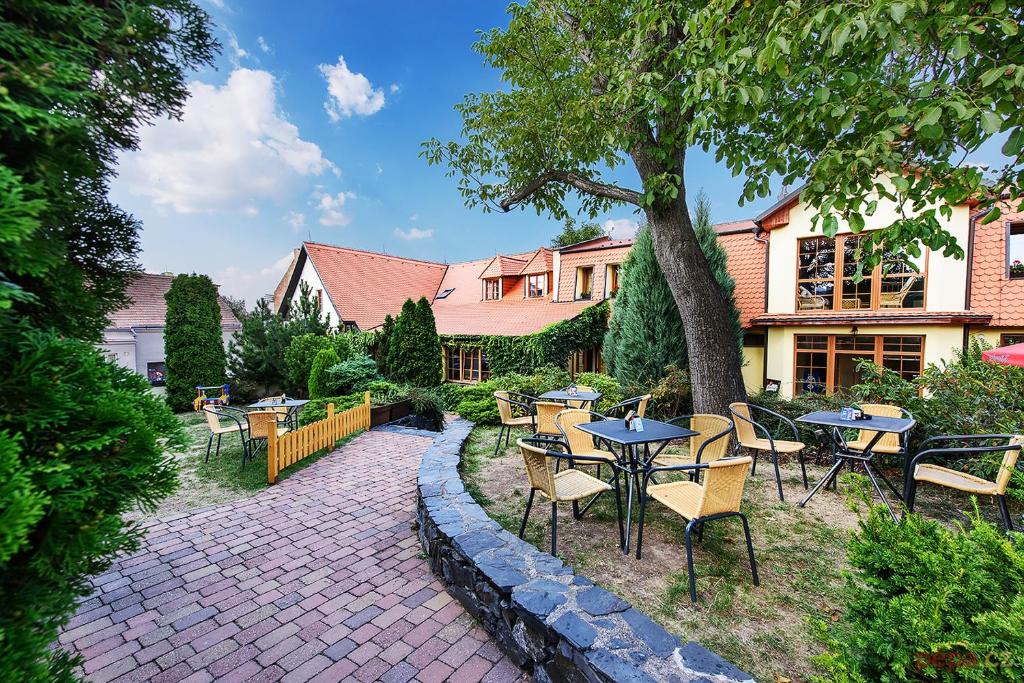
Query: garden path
x,y
319,577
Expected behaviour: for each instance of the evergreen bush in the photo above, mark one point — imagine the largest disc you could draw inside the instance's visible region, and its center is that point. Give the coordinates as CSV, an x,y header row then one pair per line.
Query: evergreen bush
x,y
320,382
193,339
316,409
414,349
611,391
354,374
256,353
303,349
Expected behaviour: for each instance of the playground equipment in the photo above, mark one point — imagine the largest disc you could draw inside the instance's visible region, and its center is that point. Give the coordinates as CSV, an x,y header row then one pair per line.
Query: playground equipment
x,y
205,397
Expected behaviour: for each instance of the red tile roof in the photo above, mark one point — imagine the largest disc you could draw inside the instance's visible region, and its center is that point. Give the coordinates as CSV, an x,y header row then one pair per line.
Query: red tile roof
x,y
365,286
503,266
597,243
148,308
873,318
992,291
746,261
541,262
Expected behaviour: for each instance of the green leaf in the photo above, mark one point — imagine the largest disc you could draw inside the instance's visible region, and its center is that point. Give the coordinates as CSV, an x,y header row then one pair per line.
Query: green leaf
x,y
1009,28
783,44
930,117
1014,143
961,46
897,11
990,121
830,225
992,75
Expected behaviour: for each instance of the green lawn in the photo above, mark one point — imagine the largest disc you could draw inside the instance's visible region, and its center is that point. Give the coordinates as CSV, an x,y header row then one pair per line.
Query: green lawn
x,y
765,630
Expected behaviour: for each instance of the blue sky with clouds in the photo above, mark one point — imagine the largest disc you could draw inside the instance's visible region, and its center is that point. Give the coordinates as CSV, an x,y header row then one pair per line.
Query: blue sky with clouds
x,y
310,128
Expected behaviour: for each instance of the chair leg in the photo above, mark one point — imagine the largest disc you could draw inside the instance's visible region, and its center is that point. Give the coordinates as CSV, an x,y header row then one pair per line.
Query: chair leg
x,y
689,560
209,445
803,467
554,528
911,493
753,467
497,444
508,435
1004,512
217,455
640,527
700,532
750,550
529,504
778,475
576,510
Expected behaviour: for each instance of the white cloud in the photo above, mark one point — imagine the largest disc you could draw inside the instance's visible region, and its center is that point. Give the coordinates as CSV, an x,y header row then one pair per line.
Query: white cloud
x,y
349,93
263,45
414,234
415,217
331,206
620,228
393,88
251,284
296,220
231,150
237,51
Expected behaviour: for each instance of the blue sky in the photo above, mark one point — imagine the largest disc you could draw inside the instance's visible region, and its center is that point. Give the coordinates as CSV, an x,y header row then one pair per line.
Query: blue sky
x,y
310,128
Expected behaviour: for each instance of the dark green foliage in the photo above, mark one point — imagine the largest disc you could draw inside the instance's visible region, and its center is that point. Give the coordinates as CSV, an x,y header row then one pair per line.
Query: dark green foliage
x,y
928,603
646,333
256,353
574,234
68,251
303,349
320,382
450,395
384,344
477,402
305,315
354,374
428,404
383,392
414,349
193,339
316,409
611,391
671,396
83,441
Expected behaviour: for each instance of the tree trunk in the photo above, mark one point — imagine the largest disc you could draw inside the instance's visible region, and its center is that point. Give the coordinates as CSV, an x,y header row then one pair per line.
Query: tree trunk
x,y
710,337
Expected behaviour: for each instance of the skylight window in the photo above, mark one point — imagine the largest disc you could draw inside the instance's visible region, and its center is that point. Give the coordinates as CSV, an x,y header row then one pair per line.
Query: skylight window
x,y
443,294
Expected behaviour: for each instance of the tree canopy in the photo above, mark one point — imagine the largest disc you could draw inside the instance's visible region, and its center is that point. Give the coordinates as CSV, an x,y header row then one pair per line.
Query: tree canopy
x,y
574,233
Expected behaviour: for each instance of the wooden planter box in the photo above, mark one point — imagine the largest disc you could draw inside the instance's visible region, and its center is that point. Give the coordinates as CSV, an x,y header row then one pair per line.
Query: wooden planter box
x,y
390,412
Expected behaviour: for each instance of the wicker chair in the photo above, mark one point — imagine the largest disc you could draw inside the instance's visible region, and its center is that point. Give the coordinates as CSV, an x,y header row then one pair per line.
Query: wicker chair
x,y
545,427
284,413
262,423
578,442
507,406
637,404
895,299
963,447
718,498
580,404
213,416
570,485
888,444
711,443
746,437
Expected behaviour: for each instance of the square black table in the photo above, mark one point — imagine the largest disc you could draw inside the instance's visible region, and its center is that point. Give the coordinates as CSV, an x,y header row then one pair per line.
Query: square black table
x,y
562,396
631,443
877,424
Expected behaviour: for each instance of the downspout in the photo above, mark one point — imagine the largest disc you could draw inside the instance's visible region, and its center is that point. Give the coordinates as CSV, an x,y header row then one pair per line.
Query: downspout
x,y
767,253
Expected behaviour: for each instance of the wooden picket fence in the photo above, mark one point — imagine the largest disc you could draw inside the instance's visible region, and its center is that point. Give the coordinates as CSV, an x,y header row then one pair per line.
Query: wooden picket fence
x,y
301,443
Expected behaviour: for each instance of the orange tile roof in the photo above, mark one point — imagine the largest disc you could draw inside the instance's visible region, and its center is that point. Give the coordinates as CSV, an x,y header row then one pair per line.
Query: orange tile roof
x,y
869,317
597,243
148,308
365,286
992,291
541,262
746,261
503,266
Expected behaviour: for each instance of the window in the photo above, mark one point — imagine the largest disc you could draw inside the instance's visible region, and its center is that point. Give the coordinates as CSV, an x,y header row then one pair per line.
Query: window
x,y
156,373
536,285
584,282
466,364
443,294
492,289
826,266
825,363
585,361
1011,339
612,278
1015,251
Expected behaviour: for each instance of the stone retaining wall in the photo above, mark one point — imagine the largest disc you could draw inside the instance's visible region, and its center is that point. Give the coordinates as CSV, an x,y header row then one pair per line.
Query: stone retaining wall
x,y
550,621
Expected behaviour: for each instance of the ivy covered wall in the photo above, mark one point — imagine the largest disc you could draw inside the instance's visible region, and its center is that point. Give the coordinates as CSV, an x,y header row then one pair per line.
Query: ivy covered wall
x,y
551,346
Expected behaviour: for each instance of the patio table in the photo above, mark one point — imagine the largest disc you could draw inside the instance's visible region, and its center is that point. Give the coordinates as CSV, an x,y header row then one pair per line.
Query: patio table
x,y
563,396
631,443
292,404
843,454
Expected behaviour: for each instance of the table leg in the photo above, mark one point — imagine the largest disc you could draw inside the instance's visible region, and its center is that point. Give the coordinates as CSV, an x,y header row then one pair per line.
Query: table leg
x,y
824,480
878,489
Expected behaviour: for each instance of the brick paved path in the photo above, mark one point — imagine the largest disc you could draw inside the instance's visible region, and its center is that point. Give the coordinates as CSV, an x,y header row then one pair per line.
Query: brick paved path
x,y
316,578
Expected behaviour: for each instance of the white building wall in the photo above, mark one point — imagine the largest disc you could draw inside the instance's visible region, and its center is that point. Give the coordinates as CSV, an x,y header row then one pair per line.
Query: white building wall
x,y
311,278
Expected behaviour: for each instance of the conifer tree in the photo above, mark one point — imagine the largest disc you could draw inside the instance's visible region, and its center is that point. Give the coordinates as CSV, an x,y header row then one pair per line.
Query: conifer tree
x,y
430,368
193,341
414,350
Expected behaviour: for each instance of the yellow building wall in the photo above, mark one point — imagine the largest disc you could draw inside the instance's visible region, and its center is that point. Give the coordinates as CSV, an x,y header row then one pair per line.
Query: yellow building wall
x,y
992,335
941,342
753,368
945,288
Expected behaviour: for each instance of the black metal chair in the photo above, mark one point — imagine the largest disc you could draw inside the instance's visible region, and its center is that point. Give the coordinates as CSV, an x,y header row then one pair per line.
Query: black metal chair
x,y
717,498
963,447
509,402
213,415
637,404
746,437
569,485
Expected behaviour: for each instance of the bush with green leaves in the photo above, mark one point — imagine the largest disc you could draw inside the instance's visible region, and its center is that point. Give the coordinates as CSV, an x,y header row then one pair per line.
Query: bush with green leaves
x,y
414,349
316,409
193,339
383,392
427,404
611,392
354,374
301,352
928,603
451,395
817,446
479,405
83,442
320,382
672,396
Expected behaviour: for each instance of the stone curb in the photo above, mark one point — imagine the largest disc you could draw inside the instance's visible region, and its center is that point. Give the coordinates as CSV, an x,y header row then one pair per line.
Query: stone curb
x,y
550,621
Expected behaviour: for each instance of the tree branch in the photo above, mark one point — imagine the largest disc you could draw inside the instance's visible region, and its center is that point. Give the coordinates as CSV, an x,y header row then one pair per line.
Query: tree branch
x,y
585,185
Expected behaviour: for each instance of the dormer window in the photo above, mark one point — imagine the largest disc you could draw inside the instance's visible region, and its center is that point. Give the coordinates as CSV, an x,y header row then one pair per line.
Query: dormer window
x,y
584,282
1015,251
536,286
492,289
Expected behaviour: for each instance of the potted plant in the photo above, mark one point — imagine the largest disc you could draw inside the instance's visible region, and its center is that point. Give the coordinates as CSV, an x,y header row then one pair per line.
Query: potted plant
x,y
1016,268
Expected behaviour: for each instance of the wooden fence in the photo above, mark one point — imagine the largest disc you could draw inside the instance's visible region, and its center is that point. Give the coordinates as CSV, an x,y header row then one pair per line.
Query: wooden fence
x,y
301,443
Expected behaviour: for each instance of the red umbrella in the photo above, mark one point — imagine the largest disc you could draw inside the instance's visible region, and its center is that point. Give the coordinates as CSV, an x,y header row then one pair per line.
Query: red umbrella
x,y
1007,355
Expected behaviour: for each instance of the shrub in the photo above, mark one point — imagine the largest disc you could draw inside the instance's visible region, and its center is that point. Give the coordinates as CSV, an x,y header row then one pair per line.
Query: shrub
x,y
354,374
383,392
817,445
316,409
83,442
477,402
256,353
451,396
320,382
303,349
672,395
928,603
611,392
414,349
427,404
193,339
